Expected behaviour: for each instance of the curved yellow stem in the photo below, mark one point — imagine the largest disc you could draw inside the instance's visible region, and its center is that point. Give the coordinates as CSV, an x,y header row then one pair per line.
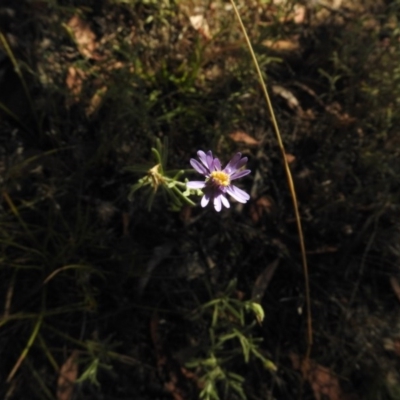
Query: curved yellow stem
x,y
289,180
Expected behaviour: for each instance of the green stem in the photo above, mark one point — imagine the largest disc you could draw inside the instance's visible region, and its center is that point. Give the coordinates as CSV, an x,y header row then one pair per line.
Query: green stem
x,y
17,69
27,348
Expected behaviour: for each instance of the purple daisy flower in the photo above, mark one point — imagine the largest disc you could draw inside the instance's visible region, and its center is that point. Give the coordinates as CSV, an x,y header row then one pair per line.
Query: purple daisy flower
x,y
218,181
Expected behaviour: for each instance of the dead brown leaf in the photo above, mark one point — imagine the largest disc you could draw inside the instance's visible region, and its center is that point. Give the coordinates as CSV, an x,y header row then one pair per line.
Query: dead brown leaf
x,y
84,37
395,286
396,346
392,344
290,158
74,82
243,137
341,119
324,383
282,45
263,205
308,114
76,77
299,15
200,24
287,95
67,377
96,101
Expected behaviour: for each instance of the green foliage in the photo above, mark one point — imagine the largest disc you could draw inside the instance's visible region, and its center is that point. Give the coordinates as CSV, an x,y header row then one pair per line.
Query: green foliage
x,y
97,359
230,337
158,178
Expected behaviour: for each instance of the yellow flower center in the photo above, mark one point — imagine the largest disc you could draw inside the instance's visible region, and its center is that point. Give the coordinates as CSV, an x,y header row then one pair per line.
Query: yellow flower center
x,y
220,178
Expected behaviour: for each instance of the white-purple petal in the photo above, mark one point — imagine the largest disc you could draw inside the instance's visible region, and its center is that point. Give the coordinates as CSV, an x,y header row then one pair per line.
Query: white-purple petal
x,y
198,167
217,164
210,161
205,200
217,203
231,166
239,174
240,163
203,158
238,194
195,184
225,201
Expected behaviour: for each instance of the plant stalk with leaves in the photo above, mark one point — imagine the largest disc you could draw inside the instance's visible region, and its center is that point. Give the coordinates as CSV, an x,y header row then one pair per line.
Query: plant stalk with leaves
x,y
159,179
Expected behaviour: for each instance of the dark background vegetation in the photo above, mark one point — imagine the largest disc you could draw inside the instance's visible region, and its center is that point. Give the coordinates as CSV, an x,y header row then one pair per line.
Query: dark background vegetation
x,y
103,299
